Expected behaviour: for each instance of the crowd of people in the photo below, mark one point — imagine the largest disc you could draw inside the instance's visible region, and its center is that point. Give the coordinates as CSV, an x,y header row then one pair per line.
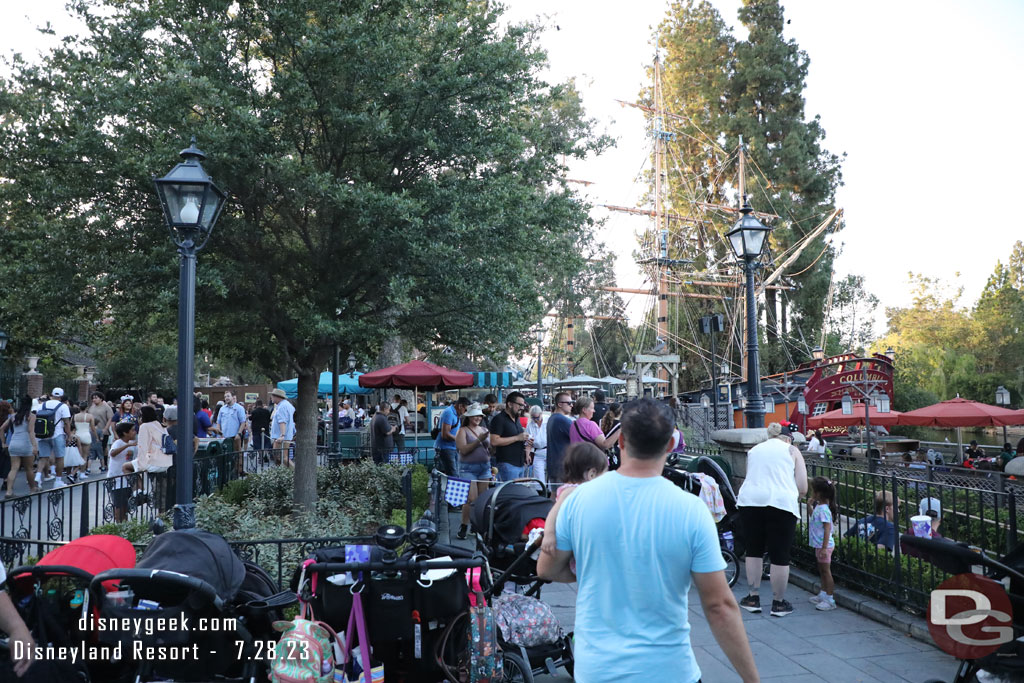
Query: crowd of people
x,y
52,439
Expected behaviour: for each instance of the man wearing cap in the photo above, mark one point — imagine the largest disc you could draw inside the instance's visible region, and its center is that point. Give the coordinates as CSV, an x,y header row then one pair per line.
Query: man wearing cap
x,y
444,446
282,426
53,447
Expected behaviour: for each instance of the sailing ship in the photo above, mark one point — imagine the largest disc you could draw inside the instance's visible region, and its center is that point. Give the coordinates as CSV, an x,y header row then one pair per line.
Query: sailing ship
x,y
688,268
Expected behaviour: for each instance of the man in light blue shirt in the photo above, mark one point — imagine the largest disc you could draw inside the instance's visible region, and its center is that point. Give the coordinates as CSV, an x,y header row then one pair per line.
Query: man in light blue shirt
x,y
444,445
282,426
638,541
231,420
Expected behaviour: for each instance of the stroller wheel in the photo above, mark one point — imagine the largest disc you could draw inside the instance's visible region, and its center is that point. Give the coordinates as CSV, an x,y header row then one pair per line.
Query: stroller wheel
x,y
732,567
515,669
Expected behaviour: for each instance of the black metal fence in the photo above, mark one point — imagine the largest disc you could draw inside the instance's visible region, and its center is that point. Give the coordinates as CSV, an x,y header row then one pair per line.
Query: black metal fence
x,y
63,513
984,518
279,557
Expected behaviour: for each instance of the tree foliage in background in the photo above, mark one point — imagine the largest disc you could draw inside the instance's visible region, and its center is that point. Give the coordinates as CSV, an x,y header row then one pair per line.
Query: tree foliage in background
x,y
723,88
945,349
395,168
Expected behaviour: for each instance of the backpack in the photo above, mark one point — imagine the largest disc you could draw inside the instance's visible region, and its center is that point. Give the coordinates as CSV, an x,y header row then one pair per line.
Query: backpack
x,y
46,420
305,653
168,445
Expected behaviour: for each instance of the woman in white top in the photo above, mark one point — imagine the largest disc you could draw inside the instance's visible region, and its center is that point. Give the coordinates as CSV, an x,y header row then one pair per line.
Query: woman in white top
x,y
769,502
816,445
537,429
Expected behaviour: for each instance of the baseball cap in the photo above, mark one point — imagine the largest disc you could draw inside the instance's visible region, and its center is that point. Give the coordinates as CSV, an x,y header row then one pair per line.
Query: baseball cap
x,y
57,392
171,413
929,505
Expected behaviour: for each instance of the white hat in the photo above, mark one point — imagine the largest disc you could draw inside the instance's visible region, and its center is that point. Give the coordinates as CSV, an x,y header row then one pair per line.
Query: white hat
x,y
57,392
474,410
927,504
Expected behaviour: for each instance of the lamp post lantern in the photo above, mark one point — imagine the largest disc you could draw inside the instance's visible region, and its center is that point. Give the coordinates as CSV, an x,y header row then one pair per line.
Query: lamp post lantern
x,y
351,364
818,354
191,203
1002,399
747,240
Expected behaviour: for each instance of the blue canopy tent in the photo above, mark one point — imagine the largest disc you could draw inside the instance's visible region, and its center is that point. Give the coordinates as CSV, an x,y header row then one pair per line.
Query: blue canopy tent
x,y
347,384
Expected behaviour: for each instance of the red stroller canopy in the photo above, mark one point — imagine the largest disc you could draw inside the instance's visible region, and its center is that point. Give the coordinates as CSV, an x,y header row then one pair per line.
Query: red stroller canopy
x,y
91,554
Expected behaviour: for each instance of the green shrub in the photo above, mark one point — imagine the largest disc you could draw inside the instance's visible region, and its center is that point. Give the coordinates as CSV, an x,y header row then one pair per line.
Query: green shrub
x,y
237,491
134,530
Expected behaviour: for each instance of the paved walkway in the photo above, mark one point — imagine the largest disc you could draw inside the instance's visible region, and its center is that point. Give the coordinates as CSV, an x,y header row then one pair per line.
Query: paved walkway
x,y
838,646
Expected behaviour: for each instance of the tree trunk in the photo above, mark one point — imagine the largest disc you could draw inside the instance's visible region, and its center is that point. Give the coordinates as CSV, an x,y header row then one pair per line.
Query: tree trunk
x,y
305,440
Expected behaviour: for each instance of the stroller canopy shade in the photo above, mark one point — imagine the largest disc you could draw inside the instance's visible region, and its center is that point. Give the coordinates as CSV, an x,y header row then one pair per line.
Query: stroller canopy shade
x,y
200,554
516,506
91,554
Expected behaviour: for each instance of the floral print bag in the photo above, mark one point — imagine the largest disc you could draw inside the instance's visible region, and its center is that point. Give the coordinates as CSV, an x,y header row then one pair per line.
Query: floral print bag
x,y
526,621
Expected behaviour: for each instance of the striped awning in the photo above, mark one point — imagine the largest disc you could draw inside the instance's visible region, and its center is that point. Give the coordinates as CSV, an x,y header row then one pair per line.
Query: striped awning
x,y
492,379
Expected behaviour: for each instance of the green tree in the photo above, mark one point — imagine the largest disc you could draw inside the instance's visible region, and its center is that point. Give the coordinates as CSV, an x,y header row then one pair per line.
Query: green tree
x,y
395,168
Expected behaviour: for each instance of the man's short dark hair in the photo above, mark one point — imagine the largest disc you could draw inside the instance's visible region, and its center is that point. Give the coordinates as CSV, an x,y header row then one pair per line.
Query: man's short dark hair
x,y
598,396
647,427
122,429
514,397
490,398
560,394
98,395
462,401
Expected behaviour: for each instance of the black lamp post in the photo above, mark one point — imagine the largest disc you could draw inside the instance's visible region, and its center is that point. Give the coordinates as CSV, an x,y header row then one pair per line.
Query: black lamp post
x,y
747,240
1002,399
351,364
3,347
191,203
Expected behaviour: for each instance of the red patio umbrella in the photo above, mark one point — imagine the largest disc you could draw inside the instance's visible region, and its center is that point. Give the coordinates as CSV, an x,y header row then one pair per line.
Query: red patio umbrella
x,y
414,374
836,418
960,412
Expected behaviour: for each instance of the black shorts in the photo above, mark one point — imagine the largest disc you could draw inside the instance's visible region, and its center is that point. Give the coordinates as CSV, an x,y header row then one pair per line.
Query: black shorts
x,y
768,528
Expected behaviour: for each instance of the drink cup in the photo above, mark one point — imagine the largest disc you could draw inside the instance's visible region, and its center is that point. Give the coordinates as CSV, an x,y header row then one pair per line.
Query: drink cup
x,y
922,526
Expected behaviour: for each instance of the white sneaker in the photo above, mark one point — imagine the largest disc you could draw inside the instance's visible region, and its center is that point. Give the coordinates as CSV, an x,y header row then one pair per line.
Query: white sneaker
x,y
83,475
826,604
815,599
39,477
50,477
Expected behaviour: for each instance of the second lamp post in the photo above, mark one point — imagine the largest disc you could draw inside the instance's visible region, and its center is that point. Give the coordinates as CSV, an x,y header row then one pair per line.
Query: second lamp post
x,y
747,240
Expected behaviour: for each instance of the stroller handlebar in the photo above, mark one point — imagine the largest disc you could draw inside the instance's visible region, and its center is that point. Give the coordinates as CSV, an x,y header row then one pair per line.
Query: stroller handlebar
x,y
164,576
397,565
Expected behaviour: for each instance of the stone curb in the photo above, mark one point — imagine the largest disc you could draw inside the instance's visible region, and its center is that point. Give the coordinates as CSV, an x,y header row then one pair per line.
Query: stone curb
x,y
883,613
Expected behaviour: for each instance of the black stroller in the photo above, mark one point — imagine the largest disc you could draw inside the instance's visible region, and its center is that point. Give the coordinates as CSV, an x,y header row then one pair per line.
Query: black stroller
x,y
728,536
1007,662
208,614
499,517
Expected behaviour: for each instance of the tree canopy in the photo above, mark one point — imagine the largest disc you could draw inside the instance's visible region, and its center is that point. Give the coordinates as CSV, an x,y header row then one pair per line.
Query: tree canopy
x,y
394,168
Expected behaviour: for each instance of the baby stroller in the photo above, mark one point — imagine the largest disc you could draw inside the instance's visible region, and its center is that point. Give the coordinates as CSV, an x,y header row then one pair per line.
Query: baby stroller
x,y
411,609
51,597
205,608
1006,663
728,538
502,518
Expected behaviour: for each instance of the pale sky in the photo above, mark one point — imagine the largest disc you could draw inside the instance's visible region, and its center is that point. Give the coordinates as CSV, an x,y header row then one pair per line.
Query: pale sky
x,y
923,96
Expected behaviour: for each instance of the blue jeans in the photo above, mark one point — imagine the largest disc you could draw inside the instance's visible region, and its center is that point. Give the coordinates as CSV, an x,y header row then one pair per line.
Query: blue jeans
x,y
508,472
52,448
447,461
475,471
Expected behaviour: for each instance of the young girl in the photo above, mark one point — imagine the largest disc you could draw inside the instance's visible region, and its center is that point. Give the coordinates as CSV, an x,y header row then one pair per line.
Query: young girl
x,y
823,498
582,462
